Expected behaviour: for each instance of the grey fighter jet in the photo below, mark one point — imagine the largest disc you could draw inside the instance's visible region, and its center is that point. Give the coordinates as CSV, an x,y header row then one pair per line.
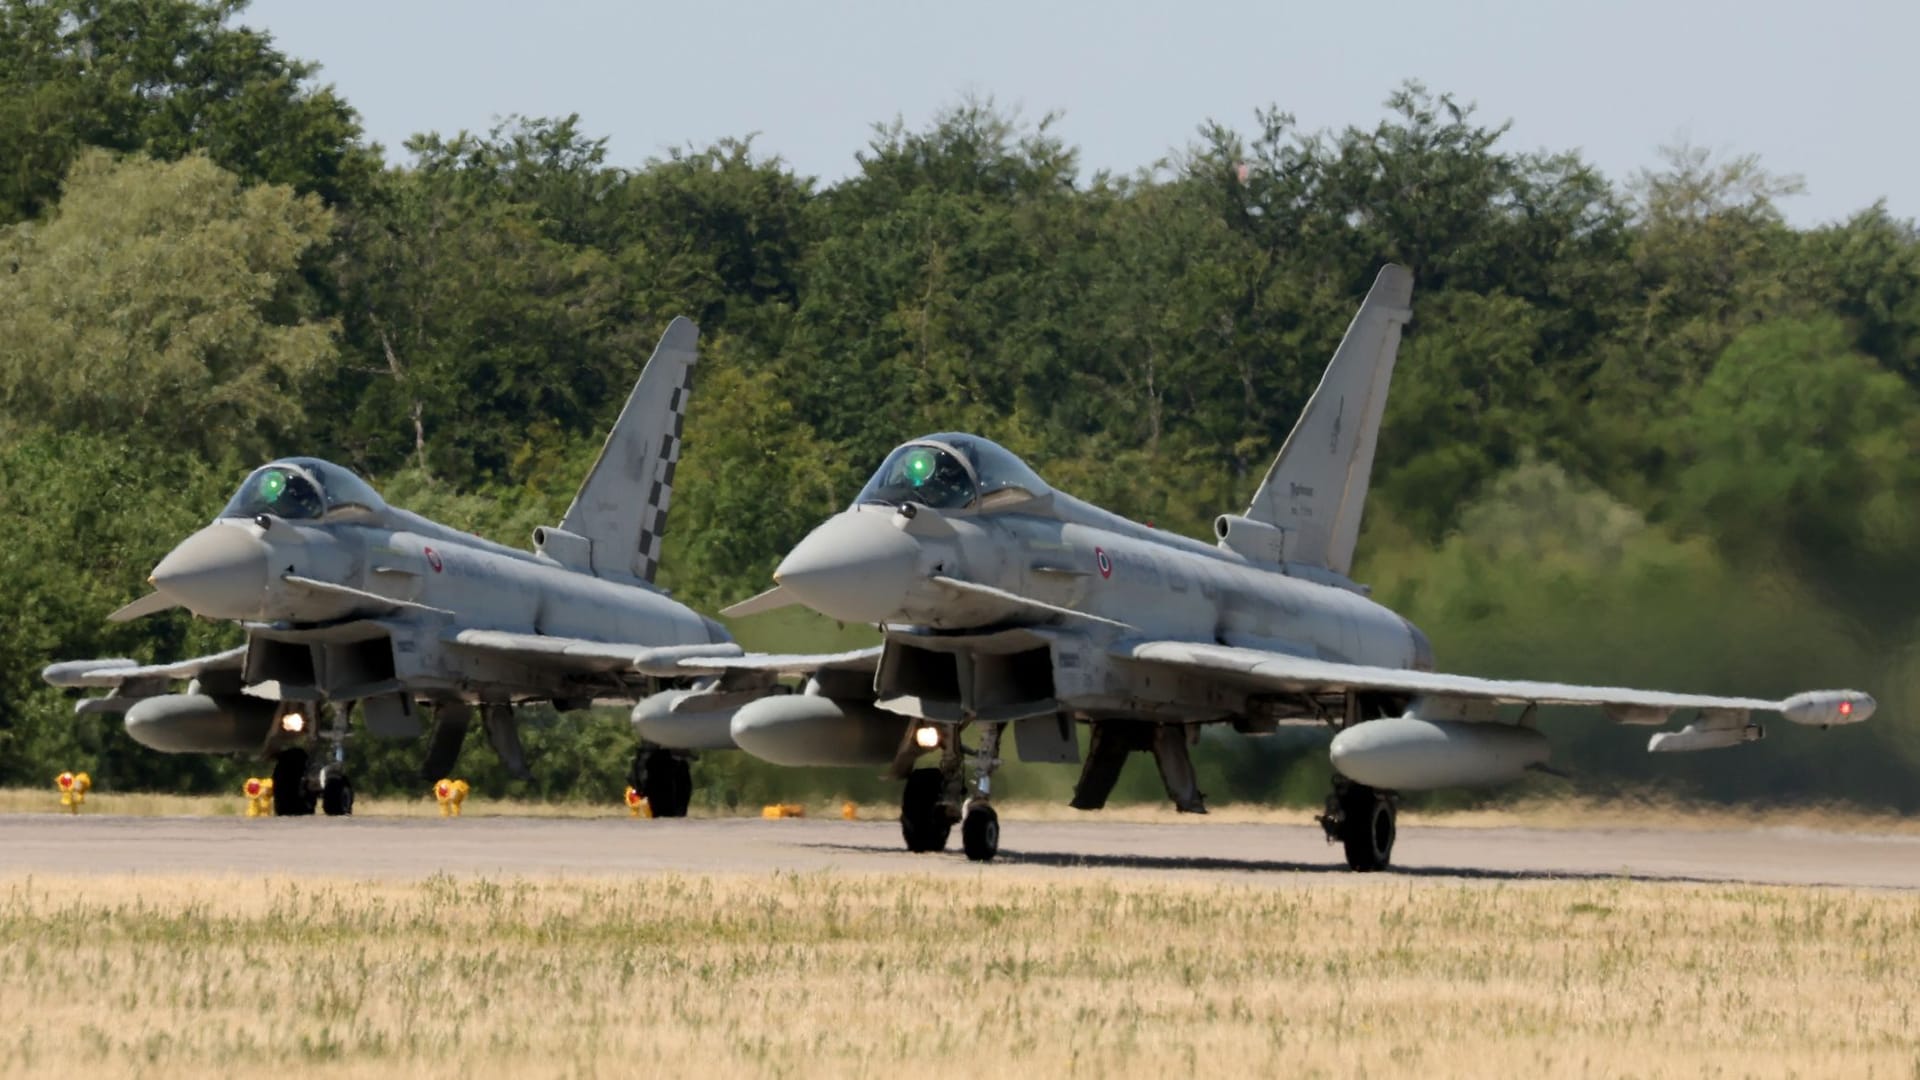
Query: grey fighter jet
x,y
346,600
1008,604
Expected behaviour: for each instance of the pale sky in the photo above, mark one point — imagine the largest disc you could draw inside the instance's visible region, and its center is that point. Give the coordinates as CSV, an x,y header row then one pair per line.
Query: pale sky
x,y
1823,90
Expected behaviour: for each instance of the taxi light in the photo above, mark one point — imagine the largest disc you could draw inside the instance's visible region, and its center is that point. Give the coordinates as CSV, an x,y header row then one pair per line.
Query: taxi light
x,y
450,794
926,738
73,789
293,722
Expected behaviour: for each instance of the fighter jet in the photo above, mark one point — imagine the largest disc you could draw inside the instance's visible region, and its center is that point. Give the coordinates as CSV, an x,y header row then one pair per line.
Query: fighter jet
x,y
1005,603
347,600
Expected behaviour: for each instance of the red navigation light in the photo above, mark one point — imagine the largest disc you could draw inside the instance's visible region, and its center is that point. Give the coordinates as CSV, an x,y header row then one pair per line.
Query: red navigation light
x,y
1846,708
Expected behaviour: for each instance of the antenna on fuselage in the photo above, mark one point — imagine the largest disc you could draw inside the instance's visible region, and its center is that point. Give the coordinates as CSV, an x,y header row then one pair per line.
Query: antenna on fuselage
x,y
1317,488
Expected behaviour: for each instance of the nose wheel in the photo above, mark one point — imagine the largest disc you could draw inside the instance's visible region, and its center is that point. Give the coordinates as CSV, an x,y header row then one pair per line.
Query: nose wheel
x,y
336,795
1364,822
980,833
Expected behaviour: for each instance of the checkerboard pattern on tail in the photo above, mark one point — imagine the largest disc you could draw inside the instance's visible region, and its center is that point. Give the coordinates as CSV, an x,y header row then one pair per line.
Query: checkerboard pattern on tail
x,y
653,520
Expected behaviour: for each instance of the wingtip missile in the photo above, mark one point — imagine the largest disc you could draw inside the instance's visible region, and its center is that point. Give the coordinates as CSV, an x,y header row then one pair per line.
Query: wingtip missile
x,y
1824,708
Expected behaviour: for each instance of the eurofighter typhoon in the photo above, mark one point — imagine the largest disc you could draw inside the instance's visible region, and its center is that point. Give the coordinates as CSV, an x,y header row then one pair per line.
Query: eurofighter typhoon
x,y
346,600
1008,604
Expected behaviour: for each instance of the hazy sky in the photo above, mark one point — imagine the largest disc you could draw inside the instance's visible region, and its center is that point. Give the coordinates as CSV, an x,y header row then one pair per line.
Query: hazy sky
x,y
1824,90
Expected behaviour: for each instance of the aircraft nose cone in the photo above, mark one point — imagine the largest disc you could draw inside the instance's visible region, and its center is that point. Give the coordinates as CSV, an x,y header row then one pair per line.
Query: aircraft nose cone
x,y
219,572
855,568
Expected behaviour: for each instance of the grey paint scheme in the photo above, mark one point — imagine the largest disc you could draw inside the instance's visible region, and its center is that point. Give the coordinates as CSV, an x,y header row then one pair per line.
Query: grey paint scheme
x,y
370,603
1028,610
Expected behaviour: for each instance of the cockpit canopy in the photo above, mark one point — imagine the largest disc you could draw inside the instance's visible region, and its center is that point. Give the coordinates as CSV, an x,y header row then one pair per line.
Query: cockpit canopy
x,y
303,489
953,471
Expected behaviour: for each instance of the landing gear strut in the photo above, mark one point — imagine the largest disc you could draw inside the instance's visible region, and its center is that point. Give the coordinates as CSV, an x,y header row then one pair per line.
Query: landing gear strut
x,y
1362,820
336,791
980,829
664,779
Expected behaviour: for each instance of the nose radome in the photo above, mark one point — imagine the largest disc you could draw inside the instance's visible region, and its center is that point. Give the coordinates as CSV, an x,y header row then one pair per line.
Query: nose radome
x,y
219,572
855,568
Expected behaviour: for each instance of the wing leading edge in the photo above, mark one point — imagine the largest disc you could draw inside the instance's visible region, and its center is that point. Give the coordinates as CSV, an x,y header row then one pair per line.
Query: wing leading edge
x,y
1278,671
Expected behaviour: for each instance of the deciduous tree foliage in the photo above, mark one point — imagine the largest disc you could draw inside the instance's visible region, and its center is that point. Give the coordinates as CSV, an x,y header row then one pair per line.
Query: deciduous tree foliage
x,y
1642,429
163,300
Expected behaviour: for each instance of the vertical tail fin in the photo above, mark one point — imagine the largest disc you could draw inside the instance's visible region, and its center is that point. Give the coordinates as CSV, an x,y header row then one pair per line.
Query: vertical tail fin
x,y
1317,487
621,508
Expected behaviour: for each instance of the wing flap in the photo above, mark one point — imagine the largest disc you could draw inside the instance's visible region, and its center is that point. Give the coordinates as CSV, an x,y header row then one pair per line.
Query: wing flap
x,y
1302,674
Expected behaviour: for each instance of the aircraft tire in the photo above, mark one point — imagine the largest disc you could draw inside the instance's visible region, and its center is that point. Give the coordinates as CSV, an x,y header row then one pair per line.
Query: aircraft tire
x,y
290,795
923,821
336,796
1369,828
666,780
980,833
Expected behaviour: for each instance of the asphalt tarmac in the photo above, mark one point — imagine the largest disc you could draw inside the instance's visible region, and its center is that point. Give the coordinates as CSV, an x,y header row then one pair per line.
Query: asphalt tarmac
x,y
1241,853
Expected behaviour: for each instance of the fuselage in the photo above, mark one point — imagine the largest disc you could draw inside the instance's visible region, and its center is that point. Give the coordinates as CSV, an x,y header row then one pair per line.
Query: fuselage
x,y
310,561
884,564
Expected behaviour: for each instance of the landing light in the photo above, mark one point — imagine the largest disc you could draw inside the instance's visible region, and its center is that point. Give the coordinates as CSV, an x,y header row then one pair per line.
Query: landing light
x,y
926,738
293,722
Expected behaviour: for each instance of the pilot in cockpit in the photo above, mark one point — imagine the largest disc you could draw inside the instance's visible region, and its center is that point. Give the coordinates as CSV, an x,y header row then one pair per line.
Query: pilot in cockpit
x,y
952,471
301,489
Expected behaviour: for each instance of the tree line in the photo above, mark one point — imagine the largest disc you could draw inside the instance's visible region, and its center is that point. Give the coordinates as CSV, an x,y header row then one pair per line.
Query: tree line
x,y
1642,429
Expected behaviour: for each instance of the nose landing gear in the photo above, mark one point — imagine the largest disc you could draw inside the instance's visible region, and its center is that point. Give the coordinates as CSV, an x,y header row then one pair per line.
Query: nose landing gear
x,y
980,830
936,797
304,781
1364,821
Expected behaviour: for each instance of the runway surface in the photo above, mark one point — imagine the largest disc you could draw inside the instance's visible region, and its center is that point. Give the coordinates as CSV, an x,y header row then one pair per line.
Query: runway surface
x,y
1278,855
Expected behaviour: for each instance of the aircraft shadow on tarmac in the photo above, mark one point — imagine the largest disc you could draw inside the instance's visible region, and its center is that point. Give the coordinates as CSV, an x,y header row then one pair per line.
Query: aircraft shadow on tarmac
x,y
1216,864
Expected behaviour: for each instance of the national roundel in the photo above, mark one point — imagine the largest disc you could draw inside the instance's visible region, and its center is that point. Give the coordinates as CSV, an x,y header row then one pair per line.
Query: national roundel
x,y
1101,560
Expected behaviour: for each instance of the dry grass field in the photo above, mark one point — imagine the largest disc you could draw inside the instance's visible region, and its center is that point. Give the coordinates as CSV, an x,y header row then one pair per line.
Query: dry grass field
x,y
995,974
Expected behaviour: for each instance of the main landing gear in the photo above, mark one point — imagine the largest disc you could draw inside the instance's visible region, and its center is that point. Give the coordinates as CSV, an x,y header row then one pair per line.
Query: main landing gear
x,y
664,779
936,797
924,822
1362,820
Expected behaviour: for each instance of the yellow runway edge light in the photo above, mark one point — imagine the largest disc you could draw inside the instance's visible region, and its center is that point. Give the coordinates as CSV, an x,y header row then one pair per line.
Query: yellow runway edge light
x,y
73,789
259,793
450,794
783,810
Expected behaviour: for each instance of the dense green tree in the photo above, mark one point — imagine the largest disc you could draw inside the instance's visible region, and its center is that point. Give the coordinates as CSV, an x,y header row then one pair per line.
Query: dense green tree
x,y
166,78
162,301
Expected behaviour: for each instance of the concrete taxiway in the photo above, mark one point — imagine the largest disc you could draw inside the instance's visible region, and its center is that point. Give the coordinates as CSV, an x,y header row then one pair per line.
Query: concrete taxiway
x,y
1243,853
